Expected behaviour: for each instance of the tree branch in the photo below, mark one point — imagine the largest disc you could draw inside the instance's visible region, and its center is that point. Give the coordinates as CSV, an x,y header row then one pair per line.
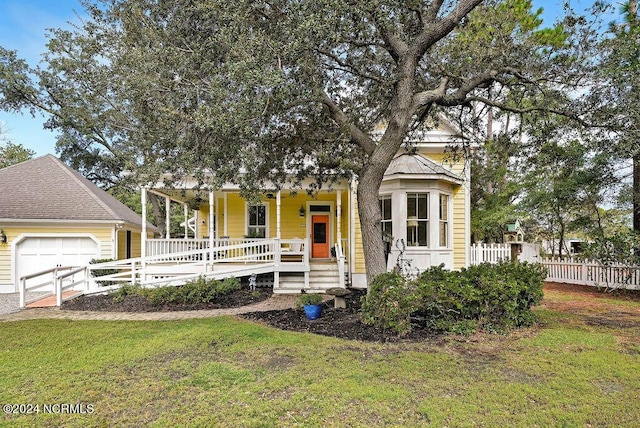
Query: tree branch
x,y
357,136
432,33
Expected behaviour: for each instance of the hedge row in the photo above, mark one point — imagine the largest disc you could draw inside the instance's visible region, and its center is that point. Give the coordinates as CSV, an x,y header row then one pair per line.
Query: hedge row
x,y
494,298
200,290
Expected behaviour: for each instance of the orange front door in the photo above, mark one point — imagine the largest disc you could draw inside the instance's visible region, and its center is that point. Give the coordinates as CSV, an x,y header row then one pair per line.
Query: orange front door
x,y
320,236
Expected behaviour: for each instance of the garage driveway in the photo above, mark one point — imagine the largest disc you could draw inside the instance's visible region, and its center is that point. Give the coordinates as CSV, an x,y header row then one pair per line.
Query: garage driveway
x,y
9,302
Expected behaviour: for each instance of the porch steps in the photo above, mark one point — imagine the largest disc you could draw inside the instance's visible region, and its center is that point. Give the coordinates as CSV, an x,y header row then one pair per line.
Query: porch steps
x,y
321,277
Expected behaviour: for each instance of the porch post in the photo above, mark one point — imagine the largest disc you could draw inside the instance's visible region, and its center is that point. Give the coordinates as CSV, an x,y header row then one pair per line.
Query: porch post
x,y
143,235
278,215
226,227
339,217
211,208
186,221
167,217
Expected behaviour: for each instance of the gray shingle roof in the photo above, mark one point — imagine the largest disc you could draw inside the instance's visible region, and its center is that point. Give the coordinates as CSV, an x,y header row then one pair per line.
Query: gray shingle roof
x,y
414,164
45,188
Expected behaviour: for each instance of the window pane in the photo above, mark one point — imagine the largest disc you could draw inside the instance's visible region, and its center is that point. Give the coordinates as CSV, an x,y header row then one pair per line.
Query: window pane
x,y
262,215
423,234
422,207
319,233
386,211
444,207
443,233
411,205
412,236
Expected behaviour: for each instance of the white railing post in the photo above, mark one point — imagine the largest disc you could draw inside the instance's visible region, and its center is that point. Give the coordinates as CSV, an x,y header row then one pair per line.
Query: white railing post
x,y
57,283
23,292
277,251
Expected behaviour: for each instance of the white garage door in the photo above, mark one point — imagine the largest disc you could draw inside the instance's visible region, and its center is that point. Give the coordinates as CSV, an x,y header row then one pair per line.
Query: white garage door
x,y
36,254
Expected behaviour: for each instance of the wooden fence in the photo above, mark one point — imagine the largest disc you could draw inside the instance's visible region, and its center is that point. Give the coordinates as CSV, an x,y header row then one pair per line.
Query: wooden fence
x,y
490,253
567,270
586,272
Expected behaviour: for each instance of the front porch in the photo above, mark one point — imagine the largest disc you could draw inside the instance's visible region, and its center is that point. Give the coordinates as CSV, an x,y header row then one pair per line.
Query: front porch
x,y
291,230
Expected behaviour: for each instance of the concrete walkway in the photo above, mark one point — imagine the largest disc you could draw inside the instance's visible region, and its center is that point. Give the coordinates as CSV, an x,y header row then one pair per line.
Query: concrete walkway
x,y
275,302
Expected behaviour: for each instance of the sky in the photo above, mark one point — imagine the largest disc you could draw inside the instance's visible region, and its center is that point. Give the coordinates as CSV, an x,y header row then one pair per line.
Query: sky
x,y
23,27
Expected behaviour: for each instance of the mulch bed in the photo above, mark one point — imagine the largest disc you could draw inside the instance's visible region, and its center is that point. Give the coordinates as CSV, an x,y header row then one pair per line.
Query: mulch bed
x,y
341,323
105,302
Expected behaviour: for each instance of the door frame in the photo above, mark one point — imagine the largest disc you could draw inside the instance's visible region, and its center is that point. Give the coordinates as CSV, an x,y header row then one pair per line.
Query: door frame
x,y
332,215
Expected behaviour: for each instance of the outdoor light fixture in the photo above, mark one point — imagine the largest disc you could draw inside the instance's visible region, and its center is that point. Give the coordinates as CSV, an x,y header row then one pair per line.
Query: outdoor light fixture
x,y
302,211
3,237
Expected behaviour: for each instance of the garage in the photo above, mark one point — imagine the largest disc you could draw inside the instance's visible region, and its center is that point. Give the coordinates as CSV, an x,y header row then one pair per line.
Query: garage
x,y
38,253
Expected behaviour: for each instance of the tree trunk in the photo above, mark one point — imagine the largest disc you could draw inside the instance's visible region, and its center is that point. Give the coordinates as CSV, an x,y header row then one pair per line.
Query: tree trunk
x,y
158,212
368,195
636,198
370,216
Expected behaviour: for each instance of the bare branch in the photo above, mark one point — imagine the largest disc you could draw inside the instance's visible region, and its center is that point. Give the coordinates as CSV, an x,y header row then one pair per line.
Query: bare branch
x,y
421,99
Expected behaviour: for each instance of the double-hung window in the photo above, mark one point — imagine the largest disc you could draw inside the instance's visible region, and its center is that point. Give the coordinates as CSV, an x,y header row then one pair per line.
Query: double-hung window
x,y
385,209
444,220
418,219
257,221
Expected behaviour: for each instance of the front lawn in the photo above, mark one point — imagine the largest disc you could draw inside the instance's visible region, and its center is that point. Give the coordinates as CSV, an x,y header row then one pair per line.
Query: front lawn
x,y
579,367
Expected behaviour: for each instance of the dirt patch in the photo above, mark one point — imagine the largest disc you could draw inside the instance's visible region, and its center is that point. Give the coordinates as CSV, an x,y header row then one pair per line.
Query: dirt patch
x,y
133,303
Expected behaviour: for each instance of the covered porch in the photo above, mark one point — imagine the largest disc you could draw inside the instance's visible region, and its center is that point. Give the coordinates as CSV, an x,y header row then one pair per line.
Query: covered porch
x,y
294,231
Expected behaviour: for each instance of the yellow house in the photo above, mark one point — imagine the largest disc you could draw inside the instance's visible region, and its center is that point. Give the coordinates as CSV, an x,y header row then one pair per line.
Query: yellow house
x,y
314,242
52,216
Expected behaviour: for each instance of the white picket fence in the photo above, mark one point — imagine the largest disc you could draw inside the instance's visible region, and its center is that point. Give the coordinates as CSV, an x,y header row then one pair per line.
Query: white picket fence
x,y
586,272
490,253
567,270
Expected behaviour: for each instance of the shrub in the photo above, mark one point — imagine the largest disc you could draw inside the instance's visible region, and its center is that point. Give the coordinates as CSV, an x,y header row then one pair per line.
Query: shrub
x,y
124,291
200,290
389,303
494,298
310,299
102,272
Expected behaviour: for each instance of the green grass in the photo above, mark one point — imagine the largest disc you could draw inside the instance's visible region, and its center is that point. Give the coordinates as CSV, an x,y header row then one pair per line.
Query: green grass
x,y
567,372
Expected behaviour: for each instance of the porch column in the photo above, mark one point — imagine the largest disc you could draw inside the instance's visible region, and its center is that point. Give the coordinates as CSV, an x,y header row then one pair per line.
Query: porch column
x,y
226,226
167,217
186,221
339,217
278,215
143,235
211,208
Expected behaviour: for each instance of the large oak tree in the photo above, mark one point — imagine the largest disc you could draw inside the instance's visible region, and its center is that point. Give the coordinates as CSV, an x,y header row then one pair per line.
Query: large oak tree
x,y
271,87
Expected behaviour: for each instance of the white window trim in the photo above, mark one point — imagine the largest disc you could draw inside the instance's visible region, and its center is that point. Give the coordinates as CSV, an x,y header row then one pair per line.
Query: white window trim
x,y
266,218
449,220
428,219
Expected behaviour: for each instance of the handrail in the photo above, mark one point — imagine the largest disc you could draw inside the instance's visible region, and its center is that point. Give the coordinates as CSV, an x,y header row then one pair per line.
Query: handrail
x,y
23,282
340,260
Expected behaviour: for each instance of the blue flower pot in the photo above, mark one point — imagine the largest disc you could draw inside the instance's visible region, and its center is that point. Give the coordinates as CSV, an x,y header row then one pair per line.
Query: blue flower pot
x,y
313,311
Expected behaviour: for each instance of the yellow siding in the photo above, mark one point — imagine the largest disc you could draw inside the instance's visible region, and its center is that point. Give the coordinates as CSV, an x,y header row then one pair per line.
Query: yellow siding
x,y
291,224
122,244
101,233
459,232
441,159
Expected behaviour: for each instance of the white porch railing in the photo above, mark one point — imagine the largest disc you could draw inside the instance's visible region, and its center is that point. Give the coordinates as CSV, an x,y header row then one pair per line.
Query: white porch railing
x,y
489,253
226,255
586,272
157,247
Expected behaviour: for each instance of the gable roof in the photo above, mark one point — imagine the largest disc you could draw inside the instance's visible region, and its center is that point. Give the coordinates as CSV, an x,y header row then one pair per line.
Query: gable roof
x,y
412,165
45,188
